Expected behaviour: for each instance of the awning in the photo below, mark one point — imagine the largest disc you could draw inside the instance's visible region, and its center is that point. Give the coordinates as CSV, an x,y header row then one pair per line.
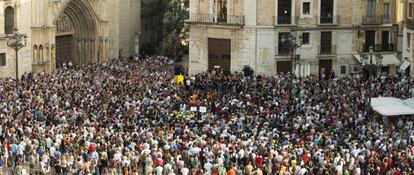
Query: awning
x,y
390,106
388,59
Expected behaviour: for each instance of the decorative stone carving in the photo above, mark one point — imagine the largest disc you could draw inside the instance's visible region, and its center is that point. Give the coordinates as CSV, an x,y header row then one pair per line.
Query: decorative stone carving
x,y
64,24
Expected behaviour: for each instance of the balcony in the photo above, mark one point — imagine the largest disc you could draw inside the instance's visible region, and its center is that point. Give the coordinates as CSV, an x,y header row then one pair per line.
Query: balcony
x,y
198,18
409,23
327,50
328,20
386,19
380,47
372,20
282,20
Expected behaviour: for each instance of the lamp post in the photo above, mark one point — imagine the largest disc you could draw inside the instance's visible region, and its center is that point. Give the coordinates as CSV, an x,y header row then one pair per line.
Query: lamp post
x,y
293,44
371,67
17,41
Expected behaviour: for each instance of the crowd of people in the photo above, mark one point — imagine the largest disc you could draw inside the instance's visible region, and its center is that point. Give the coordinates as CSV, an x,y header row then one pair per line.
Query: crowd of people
x,y
130,117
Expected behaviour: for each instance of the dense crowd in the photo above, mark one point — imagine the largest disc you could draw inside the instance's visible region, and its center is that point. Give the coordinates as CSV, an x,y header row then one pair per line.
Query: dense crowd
x,y
130,117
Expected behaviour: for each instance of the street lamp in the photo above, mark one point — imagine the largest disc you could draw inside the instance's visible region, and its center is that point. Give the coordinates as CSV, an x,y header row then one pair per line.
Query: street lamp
x,y
293,44
17,41
371,67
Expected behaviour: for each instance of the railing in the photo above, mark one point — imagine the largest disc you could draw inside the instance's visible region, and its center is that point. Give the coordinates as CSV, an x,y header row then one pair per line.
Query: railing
x,y
327,49
380,47
409,23
372,20
386,19
212,19
328,20
285,20
283,50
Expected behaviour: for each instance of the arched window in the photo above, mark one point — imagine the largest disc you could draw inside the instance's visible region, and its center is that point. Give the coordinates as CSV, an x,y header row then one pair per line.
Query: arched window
x,y
35,59
9,20
41,53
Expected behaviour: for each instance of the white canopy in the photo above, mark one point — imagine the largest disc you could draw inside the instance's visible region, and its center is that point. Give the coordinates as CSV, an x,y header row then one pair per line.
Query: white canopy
x,y
390,106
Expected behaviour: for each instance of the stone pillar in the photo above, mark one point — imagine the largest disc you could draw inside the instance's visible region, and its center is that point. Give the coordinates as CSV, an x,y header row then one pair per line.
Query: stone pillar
x,y
86,51
80,53
92,50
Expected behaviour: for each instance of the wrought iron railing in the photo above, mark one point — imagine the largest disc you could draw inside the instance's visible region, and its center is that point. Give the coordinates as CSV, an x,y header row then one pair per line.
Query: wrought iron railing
x,y
380,47
328,19
327,49
372,19
213,19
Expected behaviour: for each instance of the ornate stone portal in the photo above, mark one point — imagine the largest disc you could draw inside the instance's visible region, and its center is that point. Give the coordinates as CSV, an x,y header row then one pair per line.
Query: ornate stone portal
x,y
76,33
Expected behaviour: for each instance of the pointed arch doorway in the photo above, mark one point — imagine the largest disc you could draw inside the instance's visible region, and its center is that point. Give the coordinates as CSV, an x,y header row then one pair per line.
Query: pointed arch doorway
x,y
76,33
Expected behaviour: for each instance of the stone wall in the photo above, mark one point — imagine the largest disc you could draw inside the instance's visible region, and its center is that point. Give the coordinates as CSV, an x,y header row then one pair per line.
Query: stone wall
x,y
242,47
265,9
129,25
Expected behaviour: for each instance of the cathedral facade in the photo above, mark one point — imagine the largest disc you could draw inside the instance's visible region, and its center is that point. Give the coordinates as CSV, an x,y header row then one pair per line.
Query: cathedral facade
x,y
62,31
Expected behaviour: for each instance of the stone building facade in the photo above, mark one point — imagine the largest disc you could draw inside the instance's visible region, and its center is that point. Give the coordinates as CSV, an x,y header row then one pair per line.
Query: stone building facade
x,y
61,31
231,34
408,51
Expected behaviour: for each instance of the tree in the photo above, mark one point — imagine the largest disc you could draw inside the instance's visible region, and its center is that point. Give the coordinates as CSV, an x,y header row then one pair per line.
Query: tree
x,y
164,26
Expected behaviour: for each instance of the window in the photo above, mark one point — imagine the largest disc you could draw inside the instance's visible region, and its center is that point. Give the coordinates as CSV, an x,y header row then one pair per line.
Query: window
x,y
2,59
410,10
221,6
387,12
40,53
35,60
284,48
326,43
9,20
305,38
284,12
372,6
326,11
408,40
306,8
343,69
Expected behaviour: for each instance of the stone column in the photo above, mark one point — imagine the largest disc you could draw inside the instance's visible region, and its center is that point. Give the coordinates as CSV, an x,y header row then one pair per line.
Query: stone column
x,y
93,53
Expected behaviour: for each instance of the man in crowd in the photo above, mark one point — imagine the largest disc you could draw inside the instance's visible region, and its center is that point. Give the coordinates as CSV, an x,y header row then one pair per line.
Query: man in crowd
x,y
129,116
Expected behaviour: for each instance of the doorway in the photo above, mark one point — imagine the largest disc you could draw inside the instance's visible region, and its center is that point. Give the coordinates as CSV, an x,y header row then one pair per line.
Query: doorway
x,y
64,49
325,69
219,54
386,41
369,40
284,67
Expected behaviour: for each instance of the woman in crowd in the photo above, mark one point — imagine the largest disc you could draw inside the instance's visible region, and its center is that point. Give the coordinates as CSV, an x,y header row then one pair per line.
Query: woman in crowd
x,y
129,117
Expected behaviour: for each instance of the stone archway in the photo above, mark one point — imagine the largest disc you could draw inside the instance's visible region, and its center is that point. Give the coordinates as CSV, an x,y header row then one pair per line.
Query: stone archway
x,y
76,33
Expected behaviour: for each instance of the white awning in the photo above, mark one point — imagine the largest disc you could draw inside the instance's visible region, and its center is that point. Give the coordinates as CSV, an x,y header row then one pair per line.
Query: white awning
x,y
390,106
388,59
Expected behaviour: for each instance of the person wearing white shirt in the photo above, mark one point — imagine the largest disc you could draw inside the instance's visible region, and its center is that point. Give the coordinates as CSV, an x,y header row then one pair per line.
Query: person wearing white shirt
x,y
207,167
184,171
159,170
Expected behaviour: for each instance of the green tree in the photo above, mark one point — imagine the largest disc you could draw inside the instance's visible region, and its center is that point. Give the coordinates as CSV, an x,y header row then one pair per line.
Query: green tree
x,y
164,27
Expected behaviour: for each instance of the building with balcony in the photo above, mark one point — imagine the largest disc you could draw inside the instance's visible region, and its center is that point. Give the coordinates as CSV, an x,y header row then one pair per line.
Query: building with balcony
x,y
230,34
408,33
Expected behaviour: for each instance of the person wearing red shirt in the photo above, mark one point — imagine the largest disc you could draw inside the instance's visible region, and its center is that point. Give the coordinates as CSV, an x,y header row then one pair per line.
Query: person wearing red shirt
x,y
259,161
